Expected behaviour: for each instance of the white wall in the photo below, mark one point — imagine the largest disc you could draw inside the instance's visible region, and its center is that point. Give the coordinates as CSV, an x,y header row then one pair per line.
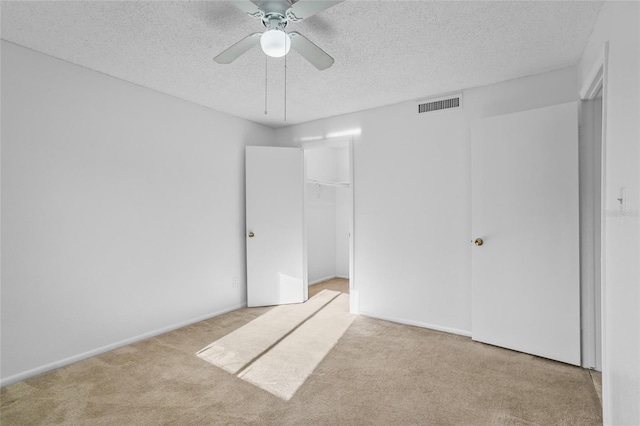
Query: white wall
x,y
412,197
619,24
122,212
321,232
327,213
329,164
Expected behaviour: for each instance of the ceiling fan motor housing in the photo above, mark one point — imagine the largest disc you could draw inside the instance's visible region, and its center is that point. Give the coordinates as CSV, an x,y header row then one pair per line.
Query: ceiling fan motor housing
x,y
278,7
274,21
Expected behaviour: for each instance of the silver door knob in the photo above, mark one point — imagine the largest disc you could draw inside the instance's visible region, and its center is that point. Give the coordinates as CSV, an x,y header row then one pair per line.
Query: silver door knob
x,y
251,234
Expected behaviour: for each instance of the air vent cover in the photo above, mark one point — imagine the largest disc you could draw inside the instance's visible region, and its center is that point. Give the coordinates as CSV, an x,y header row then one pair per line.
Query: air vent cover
x,y
441,103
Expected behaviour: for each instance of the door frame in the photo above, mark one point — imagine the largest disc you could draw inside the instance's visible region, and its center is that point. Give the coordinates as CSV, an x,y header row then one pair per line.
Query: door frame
x,y
596,81
341,141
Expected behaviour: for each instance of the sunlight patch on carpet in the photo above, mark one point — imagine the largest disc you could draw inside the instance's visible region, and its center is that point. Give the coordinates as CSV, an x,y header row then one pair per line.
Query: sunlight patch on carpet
x,y
278,350
285,368
237,349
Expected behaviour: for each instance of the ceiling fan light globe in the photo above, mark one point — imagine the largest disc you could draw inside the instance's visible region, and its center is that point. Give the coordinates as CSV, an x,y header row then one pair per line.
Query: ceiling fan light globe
x,y
275,43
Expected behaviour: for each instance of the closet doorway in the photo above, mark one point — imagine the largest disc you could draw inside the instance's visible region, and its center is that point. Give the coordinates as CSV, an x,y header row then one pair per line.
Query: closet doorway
x,y
329,221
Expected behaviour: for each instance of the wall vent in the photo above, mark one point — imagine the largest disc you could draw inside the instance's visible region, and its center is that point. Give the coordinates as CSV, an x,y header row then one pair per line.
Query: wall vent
x,y
441,103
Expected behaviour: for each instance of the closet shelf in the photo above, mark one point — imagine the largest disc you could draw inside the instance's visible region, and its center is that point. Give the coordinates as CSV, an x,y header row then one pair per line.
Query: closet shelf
x,y
328,183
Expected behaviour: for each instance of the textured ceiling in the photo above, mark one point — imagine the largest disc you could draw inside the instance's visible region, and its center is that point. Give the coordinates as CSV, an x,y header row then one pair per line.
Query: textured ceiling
x,y
385,51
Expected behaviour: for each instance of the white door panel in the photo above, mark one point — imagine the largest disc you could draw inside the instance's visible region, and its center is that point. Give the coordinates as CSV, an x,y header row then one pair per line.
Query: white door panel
x,y
525,286
276,250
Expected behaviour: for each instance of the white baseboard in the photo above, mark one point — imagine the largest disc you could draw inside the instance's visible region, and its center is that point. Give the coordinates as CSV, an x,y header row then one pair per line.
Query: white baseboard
x,y
75,358
418,324
318,281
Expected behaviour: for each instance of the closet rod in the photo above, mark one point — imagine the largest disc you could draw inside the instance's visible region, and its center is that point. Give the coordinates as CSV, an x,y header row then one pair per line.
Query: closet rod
x,y
327,183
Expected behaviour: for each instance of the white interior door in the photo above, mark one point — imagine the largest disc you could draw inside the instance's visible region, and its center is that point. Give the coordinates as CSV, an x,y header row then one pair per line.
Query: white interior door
x,y
525,285
276,249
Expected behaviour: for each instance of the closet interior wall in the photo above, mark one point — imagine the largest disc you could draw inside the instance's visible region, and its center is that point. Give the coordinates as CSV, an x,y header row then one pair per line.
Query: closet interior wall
x,y
327,213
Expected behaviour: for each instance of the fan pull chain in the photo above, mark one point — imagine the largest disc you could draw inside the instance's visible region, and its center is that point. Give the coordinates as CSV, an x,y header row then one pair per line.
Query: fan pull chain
x,y
265,84
285,88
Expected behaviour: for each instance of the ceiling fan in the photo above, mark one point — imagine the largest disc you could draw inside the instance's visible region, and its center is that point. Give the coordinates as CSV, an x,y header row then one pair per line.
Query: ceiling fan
x,y
275,41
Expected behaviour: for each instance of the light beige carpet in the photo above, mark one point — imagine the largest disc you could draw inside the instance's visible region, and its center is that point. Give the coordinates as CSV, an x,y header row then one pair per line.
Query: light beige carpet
x,y
336,284
379,373
236,350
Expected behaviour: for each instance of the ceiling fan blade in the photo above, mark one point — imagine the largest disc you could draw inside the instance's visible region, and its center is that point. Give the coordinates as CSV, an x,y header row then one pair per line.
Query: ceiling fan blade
x,y
312,53
248,7
235,51
302,9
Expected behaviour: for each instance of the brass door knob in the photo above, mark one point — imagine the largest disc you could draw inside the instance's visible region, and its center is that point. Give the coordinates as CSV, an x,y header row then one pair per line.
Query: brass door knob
x,y
251,234
478,242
